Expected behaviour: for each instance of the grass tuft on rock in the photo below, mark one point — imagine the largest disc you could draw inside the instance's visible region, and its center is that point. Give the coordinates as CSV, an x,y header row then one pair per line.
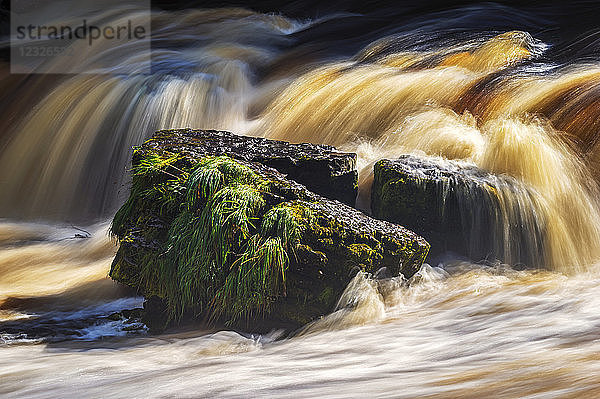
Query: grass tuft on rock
x,y
217,258
156,180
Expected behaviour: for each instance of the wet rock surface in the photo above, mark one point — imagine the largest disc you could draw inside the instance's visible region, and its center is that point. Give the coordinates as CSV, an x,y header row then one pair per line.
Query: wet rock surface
x,y
336,240
321,168
460,208
58,326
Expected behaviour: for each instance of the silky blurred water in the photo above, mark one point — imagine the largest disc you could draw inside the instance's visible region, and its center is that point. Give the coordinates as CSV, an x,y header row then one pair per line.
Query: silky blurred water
x,y
457,331
513,91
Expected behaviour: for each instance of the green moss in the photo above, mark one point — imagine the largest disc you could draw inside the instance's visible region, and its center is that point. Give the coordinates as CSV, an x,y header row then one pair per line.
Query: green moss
x,y
212,237
216,258
417,203
360,253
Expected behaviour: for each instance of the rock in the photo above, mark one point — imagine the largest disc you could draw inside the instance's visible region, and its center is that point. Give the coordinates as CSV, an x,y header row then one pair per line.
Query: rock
x,y
321,168
116,316
130,315
155,314
460,208
133,314
232,241
134,328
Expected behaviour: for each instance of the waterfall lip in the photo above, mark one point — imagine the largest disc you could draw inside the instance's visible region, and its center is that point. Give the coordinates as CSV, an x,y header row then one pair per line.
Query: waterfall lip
x,y
436,167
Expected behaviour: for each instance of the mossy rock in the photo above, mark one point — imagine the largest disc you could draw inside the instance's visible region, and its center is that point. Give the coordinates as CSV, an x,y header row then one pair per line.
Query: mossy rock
x,y
231,241
460,209
321,168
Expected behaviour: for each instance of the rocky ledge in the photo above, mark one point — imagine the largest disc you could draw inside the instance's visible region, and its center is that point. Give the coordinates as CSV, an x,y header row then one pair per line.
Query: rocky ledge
x,y
460,208
211,231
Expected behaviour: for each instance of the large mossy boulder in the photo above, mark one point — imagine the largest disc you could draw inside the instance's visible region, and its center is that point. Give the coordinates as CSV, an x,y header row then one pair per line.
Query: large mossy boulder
x,y
461,209
204,235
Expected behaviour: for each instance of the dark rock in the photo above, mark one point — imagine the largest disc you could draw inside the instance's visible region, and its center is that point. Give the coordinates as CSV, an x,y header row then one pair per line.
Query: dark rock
x,y
334,243
461,209
117,316
321,168
133,314
155,313
129,315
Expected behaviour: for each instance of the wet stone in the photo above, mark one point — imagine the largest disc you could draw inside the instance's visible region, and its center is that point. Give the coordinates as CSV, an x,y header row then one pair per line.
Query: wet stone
x,y
335,240
460,209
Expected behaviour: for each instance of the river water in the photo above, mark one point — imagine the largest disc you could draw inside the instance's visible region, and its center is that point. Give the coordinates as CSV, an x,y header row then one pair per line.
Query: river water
x,y
513,91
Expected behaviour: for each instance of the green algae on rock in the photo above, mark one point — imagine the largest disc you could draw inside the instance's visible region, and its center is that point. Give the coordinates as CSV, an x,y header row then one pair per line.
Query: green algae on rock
x,y
229,240
460,208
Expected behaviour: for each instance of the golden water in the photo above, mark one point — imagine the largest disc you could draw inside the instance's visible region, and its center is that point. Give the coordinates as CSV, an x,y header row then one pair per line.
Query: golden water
x,y
466,332
457,330
388,108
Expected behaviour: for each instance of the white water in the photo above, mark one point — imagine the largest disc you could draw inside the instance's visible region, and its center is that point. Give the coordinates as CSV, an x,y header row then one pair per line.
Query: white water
x,y
464,332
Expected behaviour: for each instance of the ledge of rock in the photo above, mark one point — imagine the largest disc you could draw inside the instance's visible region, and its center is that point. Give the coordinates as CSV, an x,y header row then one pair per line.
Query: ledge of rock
x,y
207,236
321,168
461,209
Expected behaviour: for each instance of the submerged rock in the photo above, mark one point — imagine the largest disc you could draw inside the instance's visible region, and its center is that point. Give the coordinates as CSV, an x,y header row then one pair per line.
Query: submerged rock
x,y
229,240
321,168
461,209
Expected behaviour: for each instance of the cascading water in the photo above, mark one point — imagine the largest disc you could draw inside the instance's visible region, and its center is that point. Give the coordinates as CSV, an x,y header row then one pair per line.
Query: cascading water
x,y
410,106
75,144
485,85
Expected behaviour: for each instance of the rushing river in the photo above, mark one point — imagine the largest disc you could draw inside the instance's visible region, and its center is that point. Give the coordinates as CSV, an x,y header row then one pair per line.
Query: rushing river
x,y
514,91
